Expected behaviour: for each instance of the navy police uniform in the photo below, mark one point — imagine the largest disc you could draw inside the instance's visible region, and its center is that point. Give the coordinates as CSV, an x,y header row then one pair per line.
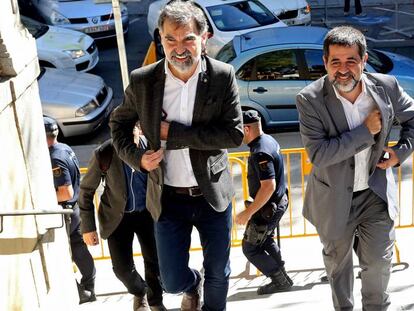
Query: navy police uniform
x,y
265,162
65,166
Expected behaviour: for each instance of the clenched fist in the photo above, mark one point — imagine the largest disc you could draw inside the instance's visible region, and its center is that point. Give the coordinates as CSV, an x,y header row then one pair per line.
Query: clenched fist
x,y
373,122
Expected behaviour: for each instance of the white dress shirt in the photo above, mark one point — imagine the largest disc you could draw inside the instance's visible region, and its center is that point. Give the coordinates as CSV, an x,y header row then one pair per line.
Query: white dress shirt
x,y
356,114
178,104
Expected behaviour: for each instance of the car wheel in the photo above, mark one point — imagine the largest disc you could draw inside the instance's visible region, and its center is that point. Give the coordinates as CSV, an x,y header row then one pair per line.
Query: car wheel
x,y
158,46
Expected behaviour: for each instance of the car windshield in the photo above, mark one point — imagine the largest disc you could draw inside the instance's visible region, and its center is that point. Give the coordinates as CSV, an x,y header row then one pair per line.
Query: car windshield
x,y
227,53
379,61
35,28
240,15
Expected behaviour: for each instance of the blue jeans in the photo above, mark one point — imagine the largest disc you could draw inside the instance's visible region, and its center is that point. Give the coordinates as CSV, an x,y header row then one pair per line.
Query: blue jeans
x,y
180,213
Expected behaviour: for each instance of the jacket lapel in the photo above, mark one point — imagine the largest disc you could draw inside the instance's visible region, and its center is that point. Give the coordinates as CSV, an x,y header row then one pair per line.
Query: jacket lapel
x,y
152,111
378,95
335,108
202,90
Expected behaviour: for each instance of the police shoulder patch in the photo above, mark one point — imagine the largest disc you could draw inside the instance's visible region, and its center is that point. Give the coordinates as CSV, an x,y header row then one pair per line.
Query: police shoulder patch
x,y
57,171
263,165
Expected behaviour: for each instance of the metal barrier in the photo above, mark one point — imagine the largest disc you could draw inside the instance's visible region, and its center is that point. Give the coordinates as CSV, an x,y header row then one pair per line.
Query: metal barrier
x,y
293,224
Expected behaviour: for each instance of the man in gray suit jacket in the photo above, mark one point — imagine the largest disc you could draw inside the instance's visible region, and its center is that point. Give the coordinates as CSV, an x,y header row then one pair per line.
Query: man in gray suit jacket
x,y
190,103
345,121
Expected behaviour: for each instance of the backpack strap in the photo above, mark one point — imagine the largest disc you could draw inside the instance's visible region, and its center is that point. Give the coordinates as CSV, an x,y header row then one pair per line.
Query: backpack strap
x,y
104,154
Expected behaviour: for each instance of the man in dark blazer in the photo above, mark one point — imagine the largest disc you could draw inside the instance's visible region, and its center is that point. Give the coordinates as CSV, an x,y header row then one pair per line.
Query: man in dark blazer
x,y
190,104
345,121
121,215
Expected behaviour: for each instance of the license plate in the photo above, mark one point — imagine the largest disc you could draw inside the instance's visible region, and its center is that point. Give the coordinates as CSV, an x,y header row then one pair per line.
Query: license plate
x,y
98,28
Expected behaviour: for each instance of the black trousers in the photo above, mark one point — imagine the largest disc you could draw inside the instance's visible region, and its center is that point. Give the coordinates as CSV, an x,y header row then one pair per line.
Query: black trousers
x,y
265,255
80,253
120,247
358,7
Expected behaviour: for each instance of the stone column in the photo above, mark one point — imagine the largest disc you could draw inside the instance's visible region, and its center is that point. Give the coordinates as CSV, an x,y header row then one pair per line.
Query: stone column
x,y
35,265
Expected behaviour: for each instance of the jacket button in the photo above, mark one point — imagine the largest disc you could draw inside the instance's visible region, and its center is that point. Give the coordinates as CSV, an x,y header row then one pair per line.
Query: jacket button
x,y
352,166
350,189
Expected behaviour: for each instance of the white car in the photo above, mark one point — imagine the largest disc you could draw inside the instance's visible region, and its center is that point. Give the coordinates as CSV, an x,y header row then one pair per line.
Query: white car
x,y
291,12
79,102
226,19
62,48
94,19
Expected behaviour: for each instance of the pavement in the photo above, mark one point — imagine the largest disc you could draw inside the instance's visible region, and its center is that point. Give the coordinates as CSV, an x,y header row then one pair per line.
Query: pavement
x,y
303,264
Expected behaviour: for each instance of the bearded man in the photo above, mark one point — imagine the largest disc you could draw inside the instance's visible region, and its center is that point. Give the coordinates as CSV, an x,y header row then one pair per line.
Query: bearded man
x,y
189,110
345,121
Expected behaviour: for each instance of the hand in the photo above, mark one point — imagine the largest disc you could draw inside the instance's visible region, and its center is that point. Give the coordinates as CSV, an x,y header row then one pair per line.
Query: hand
x,y
373,122
392,160
165,126
151,159
243,217
91,238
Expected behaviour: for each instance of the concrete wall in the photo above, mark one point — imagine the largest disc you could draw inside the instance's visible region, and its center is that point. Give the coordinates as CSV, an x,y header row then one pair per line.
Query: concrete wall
x,y
35,274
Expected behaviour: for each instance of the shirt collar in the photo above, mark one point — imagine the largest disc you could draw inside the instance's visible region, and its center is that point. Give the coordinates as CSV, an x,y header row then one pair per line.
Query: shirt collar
x,y
171,75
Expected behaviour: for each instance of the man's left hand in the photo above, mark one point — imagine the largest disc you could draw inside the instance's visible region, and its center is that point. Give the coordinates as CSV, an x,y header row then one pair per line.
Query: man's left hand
x,y
392,160
243,217
165,126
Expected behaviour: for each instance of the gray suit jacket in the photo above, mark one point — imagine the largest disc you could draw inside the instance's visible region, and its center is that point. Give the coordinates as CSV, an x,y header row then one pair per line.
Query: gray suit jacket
x,y
113,199
331,147
216,125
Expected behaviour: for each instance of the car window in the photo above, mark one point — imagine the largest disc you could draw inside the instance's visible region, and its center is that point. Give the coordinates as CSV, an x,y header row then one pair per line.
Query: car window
x,y
245,72
35,28
379,61
277,65
227,53
314,62
240,15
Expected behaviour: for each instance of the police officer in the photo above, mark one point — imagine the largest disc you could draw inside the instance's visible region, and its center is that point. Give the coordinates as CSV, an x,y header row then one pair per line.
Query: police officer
x,y
66,177
268,189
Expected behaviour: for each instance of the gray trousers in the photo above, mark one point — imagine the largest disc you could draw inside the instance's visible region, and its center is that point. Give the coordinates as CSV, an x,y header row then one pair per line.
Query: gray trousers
x,y
368,215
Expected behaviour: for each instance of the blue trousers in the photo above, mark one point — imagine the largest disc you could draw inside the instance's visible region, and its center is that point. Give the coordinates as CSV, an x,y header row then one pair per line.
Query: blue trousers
x,y
180,213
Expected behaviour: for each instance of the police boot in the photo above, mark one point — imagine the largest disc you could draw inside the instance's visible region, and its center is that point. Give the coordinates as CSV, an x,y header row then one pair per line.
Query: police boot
x,y
286,275
279,283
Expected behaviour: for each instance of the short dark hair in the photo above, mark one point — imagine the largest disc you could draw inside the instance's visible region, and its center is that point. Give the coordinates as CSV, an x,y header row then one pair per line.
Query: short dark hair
x,y
182,13
345,36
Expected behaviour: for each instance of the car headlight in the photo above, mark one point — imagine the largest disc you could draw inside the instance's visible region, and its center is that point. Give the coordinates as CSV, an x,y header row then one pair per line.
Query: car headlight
x,y
58,19
124,11
88,108
305,10
75,53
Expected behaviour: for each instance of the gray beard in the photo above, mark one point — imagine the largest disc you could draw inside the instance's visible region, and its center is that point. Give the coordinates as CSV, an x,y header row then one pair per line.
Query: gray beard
x,y
345,88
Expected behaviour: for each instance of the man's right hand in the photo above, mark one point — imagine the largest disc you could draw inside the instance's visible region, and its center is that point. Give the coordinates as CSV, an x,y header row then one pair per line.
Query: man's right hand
x,y
373,122
151,159
91,238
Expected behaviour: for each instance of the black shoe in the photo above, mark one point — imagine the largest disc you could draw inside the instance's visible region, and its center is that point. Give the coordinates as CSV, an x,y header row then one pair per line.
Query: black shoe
x,y
279,283
141,303
85,295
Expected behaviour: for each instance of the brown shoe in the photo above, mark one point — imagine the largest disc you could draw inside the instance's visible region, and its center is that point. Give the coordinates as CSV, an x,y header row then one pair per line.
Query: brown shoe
x,y
141,303
191,300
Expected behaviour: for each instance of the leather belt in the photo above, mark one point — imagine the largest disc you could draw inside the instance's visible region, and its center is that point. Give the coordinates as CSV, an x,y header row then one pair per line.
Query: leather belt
x,y
190,191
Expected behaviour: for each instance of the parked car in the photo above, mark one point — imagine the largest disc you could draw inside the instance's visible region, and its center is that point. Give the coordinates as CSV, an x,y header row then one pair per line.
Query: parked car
x,y
226,19
94,19
291,12
273,65
79,102
62,48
